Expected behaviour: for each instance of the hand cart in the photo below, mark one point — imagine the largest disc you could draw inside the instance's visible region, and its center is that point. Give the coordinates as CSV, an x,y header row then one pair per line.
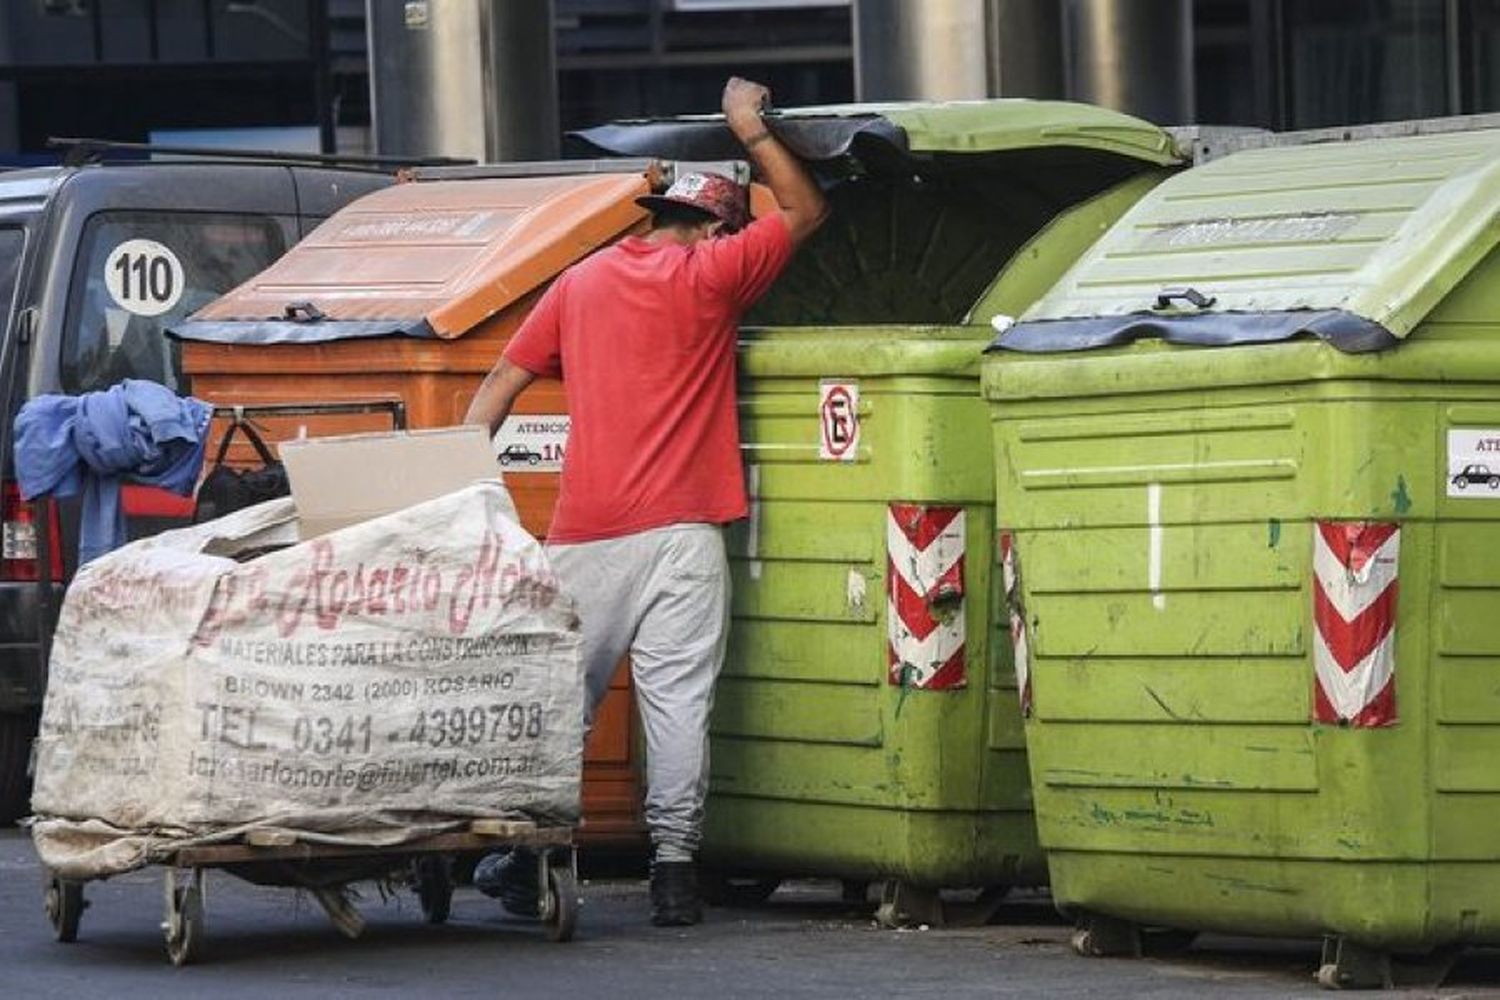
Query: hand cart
x,y
278,858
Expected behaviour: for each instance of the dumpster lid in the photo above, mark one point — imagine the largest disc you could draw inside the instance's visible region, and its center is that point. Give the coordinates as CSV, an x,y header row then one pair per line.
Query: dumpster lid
x,y
1353,242
828,133
424,259
929,201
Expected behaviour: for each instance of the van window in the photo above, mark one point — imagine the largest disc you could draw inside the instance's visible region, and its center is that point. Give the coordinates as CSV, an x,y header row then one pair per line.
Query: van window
x,y
12,243
139,273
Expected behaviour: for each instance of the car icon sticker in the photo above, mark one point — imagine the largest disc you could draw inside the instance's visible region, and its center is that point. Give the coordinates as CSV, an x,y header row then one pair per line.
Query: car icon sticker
x,y
532,442
1474,463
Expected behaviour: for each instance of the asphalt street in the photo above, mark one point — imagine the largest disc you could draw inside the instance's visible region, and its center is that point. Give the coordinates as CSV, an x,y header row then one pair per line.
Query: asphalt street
x,y
275,944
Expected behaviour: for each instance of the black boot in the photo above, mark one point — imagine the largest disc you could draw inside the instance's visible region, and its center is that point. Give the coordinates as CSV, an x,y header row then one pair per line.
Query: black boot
x,y
514,879
674,894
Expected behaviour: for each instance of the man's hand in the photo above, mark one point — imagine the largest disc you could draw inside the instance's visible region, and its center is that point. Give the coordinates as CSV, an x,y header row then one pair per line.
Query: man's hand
x,y
744,100
796,192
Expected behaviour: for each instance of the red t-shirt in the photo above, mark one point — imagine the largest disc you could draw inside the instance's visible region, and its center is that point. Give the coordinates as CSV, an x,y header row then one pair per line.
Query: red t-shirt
x,y
643,336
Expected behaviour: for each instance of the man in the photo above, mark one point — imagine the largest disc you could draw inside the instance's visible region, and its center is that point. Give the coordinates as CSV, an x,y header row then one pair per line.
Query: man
x,y
643,335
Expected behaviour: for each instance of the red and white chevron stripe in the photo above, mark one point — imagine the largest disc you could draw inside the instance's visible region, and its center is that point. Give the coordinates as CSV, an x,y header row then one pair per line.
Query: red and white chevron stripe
x,y
1354,610
924,585
1010,569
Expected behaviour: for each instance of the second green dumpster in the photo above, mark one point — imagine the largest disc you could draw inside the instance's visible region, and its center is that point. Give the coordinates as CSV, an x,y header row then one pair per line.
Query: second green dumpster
x,y
1254,514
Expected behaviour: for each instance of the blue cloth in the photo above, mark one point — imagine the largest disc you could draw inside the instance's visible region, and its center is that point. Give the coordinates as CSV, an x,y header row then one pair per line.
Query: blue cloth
x,y
66,445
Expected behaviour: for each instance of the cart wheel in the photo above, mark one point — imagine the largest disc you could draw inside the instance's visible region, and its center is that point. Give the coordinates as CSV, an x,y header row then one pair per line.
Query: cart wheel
x,y
434,887
183,928
65,904
560,905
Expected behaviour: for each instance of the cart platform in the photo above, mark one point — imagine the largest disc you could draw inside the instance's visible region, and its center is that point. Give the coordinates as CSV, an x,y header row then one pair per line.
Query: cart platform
x,y
269,856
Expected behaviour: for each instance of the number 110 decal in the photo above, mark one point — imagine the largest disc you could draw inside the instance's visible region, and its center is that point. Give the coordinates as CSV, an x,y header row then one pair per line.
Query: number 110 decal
x,y
144,277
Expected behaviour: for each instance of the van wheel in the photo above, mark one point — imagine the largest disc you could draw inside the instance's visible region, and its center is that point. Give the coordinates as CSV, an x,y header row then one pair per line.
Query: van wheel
x,y
1495,482
16,732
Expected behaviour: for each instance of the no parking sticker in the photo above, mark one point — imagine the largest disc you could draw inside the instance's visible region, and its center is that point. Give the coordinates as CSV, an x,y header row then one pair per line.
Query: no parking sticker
x,y
144,277
838,420
1474,463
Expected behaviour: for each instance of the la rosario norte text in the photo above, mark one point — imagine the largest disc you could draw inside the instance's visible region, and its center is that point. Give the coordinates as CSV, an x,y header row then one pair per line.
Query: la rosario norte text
x,y
325,595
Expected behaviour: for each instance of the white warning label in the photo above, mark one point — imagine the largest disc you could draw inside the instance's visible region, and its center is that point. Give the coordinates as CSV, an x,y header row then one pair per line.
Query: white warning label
x,y
533,442
1474,463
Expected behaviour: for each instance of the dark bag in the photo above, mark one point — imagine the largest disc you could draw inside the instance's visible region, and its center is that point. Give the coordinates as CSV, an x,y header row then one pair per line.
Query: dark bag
x,y
225,490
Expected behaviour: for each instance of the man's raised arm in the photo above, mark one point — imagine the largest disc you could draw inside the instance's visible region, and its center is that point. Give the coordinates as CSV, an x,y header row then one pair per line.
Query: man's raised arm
x,y
797,194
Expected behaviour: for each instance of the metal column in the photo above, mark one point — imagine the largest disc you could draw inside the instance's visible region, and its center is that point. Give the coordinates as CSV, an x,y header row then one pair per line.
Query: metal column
x,y
920,50
468,78
1132,55
1025,49
520,81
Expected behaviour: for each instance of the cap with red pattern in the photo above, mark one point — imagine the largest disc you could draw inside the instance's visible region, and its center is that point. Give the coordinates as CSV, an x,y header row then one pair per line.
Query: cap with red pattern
x,y
714,194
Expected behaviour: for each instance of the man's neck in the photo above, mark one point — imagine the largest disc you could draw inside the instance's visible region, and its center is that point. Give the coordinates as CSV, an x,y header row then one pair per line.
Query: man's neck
x,y
666,236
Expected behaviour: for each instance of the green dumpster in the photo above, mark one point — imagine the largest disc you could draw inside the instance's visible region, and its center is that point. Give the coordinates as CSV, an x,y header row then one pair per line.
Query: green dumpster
x,y
1243,454
866,725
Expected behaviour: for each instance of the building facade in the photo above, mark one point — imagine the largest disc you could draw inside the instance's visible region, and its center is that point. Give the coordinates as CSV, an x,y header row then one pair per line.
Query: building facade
x,y
296,72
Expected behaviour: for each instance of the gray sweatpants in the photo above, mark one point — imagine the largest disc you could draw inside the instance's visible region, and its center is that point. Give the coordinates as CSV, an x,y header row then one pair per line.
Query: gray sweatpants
x,y
663,597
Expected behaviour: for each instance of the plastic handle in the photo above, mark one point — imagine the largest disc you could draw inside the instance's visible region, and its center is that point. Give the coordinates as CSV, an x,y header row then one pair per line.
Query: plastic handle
x,y
1192,296
302,312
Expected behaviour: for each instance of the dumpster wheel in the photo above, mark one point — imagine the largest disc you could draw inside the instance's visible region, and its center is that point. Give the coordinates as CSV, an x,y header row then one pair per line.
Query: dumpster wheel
x,y
723,889
64,903
904,905
1164,941
1099,936
1349,966
854,891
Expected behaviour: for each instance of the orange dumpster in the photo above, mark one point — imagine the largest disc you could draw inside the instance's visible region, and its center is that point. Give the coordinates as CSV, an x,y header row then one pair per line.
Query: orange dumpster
x,y
410,294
